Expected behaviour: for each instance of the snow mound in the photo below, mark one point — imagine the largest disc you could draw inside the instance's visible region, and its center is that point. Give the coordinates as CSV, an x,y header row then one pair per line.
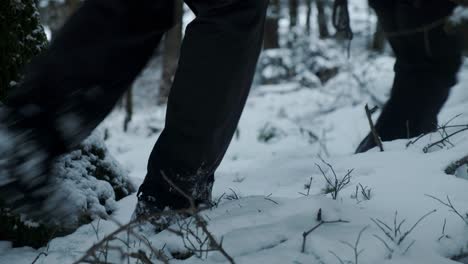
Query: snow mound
x,y
90,182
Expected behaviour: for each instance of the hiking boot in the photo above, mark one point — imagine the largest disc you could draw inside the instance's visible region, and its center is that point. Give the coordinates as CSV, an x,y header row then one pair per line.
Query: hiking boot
x,y
150,216
25,166
160,209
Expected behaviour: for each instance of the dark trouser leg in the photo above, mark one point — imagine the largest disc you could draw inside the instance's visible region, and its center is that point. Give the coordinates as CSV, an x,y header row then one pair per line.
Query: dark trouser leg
x,y
425,69
90,64
216,68
74,85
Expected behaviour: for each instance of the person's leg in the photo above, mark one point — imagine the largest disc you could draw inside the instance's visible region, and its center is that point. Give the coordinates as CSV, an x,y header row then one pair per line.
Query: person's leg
x,y
75,84
217,63
91,62
426,67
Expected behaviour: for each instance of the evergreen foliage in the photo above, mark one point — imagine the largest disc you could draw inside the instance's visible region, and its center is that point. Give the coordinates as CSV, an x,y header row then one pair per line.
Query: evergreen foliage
x,y
22,38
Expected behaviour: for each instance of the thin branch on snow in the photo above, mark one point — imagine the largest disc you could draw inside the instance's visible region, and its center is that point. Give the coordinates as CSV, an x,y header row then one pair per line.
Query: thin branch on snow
x,y
321,222
102,247
355,246
201,223
444,135
364,191
374,132
307,186
443,231
450,205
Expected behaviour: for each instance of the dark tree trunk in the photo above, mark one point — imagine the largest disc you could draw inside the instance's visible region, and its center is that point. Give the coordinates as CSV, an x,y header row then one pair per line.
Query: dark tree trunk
x,y
308,15
21,38
128,109
293,12
171,50
322,19
378,40
271,38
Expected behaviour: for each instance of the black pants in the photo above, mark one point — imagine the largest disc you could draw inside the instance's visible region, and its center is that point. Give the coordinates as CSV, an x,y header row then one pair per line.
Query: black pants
x,y
106,43
426,66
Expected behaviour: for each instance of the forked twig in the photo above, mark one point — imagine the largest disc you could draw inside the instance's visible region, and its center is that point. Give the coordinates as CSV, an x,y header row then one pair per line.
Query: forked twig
x,y
321,222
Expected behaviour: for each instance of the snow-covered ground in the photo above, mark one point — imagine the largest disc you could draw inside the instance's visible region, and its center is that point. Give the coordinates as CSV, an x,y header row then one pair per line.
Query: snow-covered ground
x,y
266,217
270,188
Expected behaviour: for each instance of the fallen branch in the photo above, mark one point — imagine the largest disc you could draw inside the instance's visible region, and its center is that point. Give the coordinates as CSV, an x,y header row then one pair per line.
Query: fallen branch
x,y
452,168
321,222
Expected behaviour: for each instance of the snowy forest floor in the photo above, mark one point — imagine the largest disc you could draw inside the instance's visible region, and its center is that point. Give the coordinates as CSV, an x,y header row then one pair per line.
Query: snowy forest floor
x,y
262,215
270,188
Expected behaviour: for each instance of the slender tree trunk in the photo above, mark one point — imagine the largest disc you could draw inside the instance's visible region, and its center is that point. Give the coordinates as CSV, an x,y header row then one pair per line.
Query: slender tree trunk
x,y
308,15
21,38
271,38
322,19
378,40
128,109
293,13
172,43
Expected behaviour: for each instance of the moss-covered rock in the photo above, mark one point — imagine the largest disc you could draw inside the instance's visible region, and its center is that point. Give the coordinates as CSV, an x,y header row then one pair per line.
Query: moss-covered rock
x,y
90,182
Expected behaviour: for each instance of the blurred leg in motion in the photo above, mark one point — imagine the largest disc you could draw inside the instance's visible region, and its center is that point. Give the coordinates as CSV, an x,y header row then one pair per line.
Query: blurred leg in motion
x,y
427,63
74,85
216,68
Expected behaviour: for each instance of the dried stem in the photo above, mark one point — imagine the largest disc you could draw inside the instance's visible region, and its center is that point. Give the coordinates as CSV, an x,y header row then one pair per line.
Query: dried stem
x,y
376,136
321,222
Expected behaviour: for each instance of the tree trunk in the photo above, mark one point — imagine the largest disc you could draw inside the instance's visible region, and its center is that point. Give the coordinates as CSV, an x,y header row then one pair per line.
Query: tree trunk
x,y
308,15
378,40
172,43
21,38
322,19
271,38
293,13
128,109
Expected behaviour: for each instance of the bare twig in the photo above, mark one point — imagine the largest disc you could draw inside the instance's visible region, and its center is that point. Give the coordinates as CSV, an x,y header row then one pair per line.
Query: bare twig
x,y
364,191
355,246
307,186
335,185
232,196
336,256
394,234
452,168
449,204
376,136
414,226
271,200
443,231
321,222
38,256
442,130
409,246
91,252
445,138
201,222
